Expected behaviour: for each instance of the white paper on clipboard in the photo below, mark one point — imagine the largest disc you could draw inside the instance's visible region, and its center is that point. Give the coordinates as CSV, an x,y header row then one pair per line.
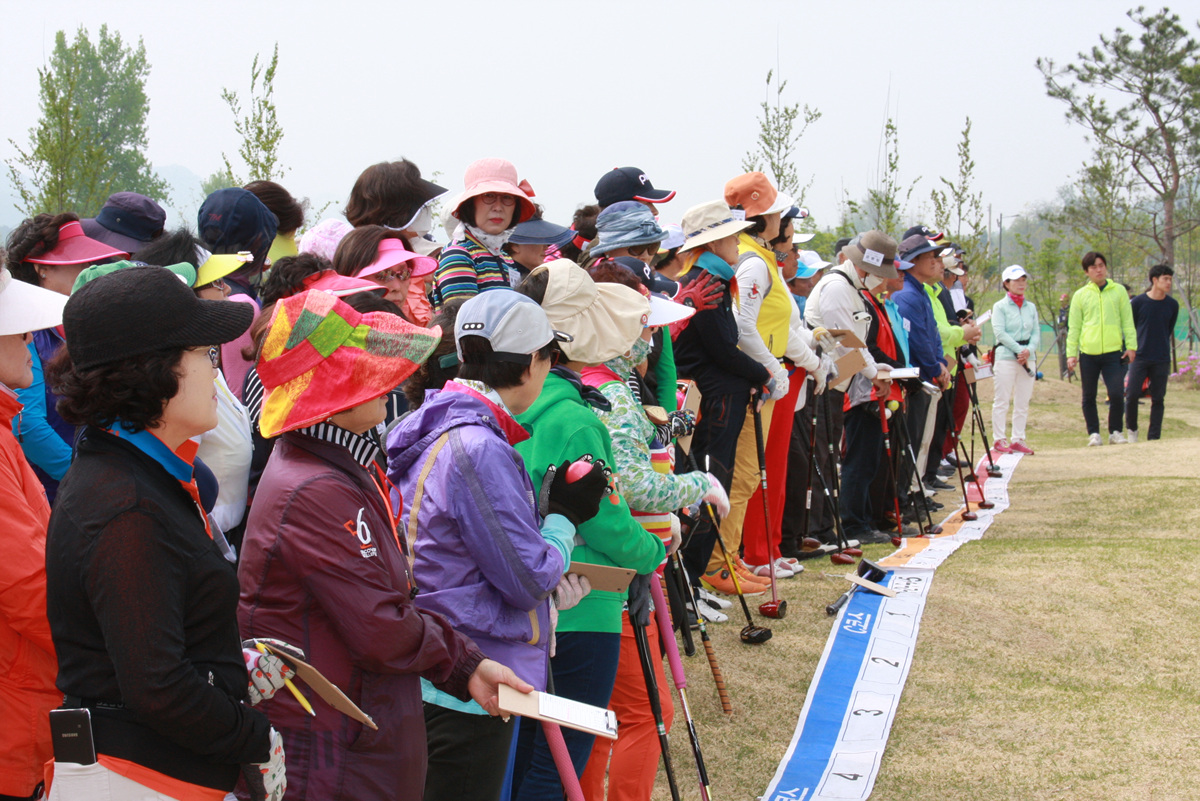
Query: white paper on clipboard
x,y
556,709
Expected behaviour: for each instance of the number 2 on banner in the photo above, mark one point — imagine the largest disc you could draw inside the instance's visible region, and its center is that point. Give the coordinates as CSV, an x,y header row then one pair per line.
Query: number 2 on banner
x,y
886,663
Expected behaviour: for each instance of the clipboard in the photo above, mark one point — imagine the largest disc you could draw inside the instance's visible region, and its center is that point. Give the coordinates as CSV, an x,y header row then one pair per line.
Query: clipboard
x,y
851,363
556,709
605,578
323,687
691,402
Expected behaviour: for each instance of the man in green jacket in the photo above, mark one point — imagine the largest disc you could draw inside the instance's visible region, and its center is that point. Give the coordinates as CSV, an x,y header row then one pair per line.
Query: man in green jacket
x,y
1100,331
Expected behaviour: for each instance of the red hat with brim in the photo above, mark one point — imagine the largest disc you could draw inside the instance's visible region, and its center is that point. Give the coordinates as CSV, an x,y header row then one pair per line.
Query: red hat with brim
x,y
499,176
320,357
392,252
76,247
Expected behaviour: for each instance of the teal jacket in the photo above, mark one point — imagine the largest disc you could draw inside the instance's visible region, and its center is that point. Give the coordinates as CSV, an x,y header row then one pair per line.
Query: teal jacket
x,y
1100,320
563,428
1013,325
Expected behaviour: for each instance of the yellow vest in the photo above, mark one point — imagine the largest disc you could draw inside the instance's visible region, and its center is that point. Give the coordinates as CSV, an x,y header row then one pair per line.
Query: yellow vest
x,y
775,314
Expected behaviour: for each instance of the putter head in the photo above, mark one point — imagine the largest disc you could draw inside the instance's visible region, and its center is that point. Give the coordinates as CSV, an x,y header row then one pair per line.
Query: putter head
x,y
896,542
855,552
971,477
773,609
755,635
995,472
841,558
986,505
969,516
871,571
934,530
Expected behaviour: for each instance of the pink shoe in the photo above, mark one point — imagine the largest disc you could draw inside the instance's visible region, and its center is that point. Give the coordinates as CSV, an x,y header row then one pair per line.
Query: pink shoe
x,y
1020,447
1002,446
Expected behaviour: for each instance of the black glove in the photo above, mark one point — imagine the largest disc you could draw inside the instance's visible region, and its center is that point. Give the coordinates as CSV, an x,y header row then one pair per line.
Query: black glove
x,y
639,599
579,500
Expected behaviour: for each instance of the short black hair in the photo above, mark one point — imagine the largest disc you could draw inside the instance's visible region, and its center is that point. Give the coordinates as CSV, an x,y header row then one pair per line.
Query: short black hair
x,y
1090,258
534,285
841,243
477,364
442,365
177,247
1159,270
134,390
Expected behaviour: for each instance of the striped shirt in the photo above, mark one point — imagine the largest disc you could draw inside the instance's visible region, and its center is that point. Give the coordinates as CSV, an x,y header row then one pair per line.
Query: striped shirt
x,y
467,268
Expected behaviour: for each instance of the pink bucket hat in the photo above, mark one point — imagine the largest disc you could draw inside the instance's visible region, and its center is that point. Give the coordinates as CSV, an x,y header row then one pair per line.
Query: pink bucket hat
x,y
392,252
499,176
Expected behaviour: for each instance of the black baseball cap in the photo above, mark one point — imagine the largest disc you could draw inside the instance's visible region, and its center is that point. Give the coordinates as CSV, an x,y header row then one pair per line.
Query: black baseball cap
x,y
629,183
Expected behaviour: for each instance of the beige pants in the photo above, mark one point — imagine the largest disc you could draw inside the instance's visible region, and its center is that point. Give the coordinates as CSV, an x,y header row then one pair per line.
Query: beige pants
x,y
927,439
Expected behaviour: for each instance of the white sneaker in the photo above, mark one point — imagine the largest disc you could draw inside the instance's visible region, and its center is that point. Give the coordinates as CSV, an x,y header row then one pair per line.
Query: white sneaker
x,y
1117,438
713,600
764,571
1094,439
1132,438
791,564
710,614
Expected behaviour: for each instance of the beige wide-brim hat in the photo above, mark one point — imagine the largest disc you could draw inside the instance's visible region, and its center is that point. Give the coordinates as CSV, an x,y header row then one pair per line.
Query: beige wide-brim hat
x,y
874,252
604,320
709,222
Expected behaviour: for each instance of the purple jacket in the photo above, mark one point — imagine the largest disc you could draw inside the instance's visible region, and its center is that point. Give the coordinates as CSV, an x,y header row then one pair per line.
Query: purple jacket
x,y
321,568
479,557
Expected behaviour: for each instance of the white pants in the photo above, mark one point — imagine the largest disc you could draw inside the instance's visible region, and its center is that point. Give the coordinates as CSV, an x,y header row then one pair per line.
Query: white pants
x,y
1011,383
73,782
927,438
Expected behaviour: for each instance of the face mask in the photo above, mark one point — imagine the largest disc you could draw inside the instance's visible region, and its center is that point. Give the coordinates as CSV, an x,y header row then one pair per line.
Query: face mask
x,y
422,222
639,351
873,282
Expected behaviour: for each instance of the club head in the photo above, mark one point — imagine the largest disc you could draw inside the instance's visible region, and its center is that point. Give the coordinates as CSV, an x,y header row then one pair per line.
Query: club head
x,y
971,477
755,635
934,530
896,541
810,544
842,558
995,472
871,571
986,505
773,609
969,516
855,552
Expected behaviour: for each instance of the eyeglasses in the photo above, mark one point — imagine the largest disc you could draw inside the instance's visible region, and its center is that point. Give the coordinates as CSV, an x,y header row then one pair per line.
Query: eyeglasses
x,y
488,198
637,251
387,276
218,284
214,356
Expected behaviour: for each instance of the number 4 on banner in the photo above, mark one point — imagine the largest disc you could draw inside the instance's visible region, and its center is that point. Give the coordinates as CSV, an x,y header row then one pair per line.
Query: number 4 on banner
x,y
850,776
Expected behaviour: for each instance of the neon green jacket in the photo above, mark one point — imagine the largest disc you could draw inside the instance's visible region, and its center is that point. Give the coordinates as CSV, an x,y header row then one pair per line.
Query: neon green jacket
x,y
1100,320
952,335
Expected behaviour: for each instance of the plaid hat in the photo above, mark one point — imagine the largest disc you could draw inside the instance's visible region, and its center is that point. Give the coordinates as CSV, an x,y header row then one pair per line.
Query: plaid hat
x,y
629,183
136,310
321,357
128,221
513,324
233,220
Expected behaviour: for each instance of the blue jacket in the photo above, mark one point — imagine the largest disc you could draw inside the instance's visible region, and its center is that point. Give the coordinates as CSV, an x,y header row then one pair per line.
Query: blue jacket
x,y
480,558
45,437
924,342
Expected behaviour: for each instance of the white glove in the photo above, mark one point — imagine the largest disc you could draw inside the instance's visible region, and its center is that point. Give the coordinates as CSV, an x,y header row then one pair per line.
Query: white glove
x,y
826,373
717,496
782,384
267,781
570,591
824,339
267,672
676,536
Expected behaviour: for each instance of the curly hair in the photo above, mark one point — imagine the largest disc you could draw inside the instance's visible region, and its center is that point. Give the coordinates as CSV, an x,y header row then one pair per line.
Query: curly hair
x,y
289,211
288,274
432,374
134,390
33,237
177,247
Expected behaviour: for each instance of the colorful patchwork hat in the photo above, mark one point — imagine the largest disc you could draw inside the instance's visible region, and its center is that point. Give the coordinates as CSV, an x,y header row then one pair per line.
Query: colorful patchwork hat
x,y
321,357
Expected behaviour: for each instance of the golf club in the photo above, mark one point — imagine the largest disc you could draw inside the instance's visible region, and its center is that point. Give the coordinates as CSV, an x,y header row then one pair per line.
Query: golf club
x,y
834,486
886,406
709,651
678,607
922,504
838,557
773,608
643,648
867,570
680,679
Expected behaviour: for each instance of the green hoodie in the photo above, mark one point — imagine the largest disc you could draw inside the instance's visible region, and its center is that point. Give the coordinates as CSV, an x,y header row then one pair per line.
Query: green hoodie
x,y
1100,320
563,428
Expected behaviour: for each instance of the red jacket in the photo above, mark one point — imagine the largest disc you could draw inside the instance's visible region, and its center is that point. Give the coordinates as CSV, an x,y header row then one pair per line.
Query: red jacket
x,y
27,663
322,569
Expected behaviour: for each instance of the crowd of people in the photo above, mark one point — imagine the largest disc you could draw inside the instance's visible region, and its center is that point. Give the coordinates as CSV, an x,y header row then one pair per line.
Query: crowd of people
x,y
366,446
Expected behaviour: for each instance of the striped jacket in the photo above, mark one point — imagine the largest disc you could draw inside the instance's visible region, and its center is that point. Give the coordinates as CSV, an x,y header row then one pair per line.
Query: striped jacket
x,y
467,268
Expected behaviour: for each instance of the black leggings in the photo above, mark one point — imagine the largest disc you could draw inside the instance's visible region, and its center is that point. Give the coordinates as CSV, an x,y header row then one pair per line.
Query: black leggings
x,y
1091,368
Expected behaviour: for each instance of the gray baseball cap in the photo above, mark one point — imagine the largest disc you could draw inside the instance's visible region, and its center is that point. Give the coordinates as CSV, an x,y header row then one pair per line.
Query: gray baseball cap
x,y
514,325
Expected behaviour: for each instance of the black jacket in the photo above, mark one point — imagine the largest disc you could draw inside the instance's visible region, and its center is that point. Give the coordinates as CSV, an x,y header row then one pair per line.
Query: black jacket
x,y
143,612
707,350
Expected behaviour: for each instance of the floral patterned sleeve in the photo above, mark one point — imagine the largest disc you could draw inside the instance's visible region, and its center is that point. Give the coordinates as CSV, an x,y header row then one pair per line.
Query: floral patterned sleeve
x,y
645,489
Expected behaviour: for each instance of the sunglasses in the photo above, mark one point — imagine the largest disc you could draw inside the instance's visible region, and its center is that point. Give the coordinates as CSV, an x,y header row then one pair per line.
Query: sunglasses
x,y
488,198
214,356
218,284
395,274
637,251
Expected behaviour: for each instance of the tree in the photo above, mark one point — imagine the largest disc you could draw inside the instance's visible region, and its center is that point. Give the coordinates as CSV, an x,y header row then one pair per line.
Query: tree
x,y
259,128
959,211
777,140
91,138
1153,122
888,200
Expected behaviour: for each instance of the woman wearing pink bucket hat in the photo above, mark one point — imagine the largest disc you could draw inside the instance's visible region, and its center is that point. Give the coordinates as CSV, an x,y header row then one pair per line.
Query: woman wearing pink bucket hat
x,y
490,206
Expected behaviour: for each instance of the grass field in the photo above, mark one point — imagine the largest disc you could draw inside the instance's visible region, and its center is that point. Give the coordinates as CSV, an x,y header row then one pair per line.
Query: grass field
x,y
1057,657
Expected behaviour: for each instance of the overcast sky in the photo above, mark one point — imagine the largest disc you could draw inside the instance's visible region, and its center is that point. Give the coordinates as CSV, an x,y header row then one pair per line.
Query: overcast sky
x,y
567,89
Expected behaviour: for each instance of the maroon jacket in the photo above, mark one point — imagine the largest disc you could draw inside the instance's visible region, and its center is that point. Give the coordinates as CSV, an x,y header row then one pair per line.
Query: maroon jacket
x,y
321,568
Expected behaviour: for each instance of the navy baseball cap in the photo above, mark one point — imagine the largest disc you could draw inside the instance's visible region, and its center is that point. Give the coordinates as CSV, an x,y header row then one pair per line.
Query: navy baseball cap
x,y
127,221
647,275
629,183
232,220
540,232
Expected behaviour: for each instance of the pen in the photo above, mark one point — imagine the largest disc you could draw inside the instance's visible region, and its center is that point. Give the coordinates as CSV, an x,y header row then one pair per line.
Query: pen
x,y
299,697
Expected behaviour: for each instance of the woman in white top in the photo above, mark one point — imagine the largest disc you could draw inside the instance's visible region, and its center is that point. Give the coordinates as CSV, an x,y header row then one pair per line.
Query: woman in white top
x,y
1015,323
